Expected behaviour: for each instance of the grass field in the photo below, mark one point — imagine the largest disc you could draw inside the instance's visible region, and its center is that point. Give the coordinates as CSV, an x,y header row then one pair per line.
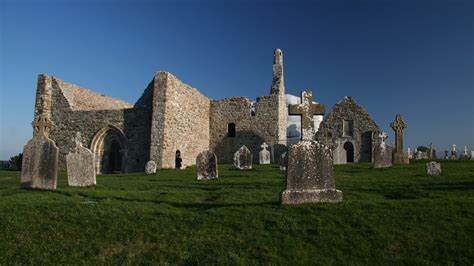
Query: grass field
x,y
388,216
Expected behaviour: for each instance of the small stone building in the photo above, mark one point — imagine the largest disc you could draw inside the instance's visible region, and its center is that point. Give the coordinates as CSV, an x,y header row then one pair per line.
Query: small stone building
x,y
170,118
350,131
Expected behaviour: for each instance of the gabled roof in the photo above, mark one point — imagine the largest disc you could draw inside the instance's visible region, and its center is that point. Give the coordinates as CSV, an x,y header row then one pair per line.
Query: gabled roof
x,y
81,99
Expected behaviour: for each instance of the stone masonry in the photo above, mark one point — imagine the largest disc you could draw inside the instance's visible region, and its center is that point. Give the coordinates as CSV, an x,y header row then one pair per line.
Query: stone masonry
x,y
350,131
170,116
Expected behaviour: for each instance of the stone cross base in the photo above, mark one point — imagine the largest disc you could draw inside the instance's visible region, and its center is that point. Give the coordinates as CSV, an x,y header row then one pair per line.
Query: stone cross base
x,y
400,158
290,196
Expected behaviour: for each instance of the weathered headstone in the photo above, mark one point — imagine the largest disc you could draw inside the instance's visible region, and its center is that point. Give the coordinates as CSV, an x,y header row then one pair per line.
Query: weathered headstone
x,y
409,153
383,153
419,155
446,154
264,155
206,165
433,168
243,158
465,155
283,161
307,110
309,175
472,155
454,154
398,125
150,167
80,165
40,157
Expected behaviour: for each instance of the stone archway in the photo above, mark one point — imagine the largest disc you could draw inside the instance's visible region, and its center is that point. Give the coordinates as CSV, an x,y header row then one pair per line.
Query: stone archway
x,y
110,150
349,148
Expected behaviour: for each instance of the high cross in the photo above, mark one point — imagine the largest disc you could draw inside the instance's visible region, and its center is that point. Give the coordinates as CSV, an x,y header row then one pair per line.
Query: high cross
x,y
398,125
307,109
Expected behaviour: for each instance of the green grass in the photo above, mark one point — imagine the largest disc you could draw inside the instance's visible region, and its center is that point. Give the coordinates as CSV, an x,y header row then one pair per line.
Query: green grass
x,y
388,216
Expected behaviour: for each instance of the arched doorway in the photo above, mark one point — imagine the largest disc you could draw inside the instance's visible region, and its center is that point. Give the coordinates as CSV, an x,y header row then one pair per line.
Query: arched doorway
x,y
110,150
349,148
178,160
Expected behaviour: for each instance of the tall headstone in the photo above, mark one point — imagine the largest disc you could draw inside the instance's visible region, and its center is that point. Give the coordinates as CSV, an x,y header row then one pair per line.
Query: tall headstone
x,y
398,125
150,167
472,155
264,155
283,161
409,153
454,153
383,153
206,165
80,165
309,175
446,154
40,157
464,155
307,110
243,158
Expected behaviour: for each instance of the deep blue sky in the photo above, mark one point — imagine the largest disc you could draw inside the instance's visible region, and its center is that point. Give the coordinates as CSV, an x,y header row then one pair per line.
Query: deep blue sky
x,y
413,57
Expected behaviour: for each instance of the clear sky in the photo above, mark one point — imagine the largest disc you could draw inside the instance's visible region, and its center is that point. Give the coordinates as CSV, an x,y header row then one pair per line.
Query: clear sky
x,y
412,57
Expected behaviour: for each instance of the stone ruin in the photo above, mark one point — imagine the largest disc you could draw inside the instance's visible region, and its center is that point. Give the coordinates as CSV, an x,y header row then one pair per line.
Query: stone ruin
x,y
80,165
350,132
123,137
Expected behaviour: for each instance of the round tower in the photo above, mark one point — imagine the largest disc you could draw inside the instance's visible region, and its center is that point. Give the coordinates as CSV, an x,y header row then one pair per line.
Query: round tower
x,y
278,56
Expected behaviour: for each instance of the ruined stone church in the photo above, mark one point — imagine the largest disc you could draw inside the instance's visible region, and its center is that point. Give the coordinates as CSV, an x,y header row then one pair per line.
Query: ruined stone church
x,y
170,118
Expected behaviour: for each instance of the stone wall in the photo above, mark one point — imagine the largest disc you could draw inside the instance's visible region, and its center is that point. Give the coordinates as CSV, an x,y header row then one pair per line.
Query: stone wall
x,y
331,131
251,130
180,122
133,122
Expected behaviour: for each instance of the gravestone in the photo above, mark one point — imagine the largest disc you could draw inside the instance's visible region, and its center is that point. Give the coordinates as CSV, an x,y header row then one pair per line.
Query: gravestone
x,y
206,165
150,167
309,175
409,153
264,155
419,155
243,158
398,125
40,157
383,153
446,154
433,168
465,155
283,161
454,154
80,165
307,110
472,155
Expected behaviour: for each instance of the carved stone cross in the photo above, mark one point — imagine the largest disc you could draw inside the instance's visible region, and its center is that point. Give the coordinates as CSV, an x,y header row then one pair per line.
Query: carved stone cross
x,y
307,109
398,125
42,125
264,146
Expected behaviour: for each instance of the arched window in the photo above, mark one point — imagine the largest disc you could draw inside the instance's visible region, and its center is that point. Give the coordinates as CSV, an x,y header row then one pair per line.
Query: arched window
x,y
231,130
